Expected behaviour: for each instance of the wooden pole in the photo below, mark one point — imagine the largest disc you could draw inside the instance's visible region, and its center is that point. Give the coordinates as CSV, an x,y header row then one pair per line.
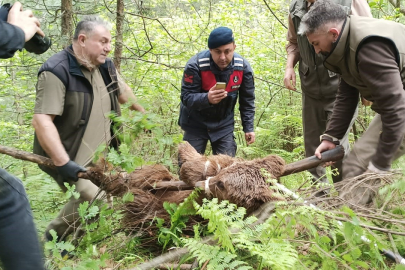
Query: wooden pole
x,y
20,154
312,162
295,167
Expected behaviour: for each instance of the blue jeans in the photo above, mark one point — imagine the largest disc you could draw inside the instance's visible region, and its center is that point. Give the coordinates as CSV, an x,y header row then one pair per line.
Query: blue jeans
x,y
19,245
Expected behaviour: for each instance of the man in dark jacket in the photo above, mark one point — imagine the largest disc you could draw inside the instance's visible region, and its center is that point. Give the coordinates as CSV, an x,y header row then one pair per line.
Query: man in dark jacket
x,y
207,112
19,245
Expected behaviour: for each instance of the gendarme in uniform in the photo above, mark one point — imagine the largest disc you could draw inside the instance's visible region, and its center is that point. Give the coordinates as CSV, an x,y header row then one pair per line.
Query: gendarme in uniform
x,y
203,121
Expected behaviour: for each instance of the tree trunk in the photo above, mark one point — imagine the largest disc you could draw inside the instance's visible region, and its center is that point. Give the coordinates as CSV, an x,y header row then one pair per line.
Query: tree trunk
x,y
119,38
67,22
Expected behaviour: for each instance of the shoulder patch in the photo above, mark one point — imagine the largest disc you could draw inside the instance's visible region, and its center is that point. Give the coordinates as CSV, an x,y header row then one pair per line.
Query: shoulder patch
x,y
188,78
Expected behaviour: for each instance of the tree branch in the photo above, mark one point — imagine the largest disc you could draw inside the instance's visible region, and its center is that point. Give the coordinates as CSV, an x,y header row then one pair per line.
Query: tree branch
x,y
275,15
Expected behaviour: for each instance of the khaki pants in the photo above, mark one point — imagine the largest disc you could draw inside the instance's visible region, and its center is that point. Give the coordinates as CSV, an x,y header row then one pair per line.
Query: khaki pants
x,y
365,148
68,218
315,117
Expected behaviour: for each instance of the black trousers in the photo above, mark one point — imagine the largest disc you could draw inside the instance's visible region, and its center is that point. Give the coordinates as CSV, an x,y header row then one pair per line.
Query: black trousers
x,y
225,145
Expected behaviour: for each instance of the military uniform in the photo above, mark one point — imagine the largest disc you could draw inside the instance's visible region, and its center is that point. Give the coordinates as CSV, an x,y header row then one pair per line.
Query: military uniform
x,y
202,121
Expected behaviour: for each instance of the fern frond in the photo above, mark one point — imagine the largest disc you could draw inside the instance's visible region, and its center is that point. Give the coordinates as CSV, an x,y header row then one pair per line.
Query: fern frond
x,y
218,258
276,253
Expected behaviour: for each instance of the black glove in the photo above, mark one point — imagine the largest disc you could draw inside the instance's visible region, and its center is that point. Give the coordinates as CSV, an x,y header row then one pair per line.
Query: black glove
x,y
69,171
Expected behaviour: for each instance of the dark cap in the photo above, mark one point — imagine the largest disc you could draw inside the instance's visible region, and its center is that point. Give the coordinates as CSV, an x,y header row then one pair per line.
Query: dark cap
x,y
220,36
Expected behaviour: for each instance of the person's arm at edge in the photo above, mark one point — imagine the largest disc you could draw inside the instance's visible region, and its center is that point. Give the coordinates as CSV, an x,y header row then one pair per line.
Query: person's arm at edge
x,y
247,103
12,39
19,28
293,56
128,95
361,8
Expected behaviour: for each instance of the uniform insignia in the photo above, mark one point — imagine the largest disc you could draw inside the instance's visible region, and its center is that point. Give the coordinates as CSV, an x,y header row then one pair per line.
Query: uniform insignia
x,y
188,78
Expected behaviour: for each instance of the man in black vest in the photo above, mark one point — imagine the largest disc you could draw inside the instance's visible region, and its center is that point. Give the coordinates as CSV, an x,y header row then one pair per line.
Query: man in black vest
x,y
19,245
77,88
207,112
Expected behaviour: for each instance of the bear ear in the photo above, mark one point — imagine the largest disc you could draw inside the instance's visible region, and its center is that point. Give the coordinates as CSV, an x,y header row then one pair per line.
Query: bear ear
x,y
274,165
187,153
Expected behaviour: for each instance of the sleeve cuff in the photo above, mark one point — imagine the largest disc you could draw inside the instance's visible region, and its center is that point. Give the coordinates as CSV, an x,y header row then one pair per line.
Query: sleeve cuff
x,y
21,37
327,137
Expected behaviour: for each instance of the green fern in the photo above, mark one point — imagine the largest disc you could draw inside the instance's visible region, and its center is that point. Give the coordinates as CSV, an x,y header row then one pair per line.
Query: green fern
x,y
222,217
276,253
218,258
179,215
234,233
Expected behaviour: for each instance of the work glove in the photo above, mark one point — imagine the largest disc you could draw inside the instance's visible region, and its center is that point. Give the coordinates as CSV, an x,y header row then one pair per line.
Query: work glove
x,y
69,171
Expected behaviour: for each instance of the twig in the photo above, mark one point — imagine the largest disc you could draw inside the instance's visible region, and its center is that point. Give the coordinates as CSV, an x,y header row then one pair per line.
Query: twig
x,y
386,202
167,31
277,84
394,247
165,258
373,217
174,266
368,226
275,15
205,265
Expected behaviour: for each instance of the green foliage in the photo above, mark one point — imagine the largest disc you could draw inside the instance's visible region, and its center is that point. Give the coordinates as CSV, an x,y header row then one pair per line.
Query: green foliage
x,y
124,158
235,235
71,191
128,197
179,215
398,186
55,247
96,224
220,216
218,259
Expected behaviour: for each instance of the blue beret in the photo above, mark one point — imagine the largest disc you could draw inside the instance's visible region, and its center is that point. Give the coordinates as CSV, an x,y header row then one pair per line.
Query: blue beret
x,y
220,36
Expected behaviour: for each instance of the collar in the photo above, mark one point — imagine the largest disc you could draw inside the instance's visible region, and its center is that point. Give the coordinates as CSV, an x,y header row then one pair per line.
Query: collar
x,y
300,9
74,66
339,50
